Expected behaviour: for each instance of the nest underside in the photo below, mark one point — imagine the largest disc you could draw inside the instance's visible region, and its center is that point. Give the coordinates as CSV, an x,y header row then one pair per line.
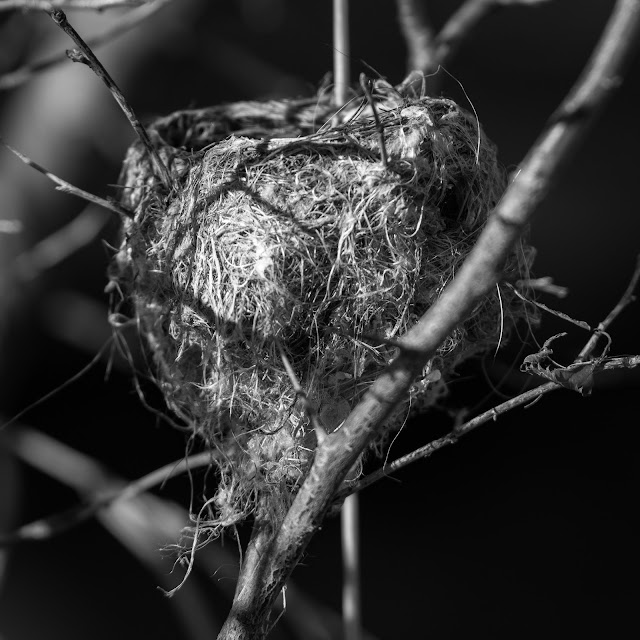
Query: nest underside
x,y
282,239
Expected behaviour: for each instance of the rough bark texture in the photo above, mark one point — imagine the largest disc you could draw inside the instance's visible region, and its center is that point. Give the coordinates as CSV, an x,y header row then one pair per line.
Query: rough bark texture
x,y
271,558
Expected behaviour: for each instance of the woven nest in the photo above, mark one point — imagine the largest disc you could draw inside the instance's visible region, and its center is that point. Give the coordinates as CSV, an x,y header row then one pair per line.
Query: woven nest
x,y
285,238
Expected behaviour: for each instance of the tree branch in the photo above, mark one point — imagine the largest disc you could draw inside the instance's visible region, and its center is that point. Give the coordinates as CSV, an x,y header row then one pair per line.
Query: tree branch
x,y
524,398
418,35
125,23
627,298
67,187
426,50
102,489
271,558
86,56
47,5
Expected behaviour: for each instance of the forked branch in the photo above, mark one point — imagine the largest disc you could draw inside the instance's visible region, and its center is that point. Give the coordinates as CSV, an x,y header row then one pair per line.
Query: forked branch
x,y
86,56
120,26
426,51
270,557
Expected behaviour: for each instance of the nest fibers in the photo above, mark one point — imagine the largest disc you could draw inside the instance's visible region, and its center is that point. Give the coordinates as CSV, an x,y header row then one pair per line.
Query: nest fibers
x,y
280,238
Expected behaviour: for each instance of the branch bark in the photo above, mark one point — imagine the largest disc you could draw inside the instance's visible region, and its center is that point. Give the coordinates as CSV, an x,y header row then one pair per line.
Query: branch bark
x,y
47,5
86,56
427,51
130,20
67,187
272,555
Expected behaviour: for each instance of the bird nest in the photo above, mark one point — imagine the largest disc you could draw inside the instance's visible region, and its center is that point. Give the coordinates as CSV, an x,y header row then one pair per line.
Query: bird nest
x,y
283,239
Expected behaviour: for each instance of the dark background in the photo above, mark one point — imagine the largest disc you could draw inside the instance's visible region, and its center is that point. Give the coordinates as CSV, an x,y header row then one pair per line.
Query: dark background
x,y
525,528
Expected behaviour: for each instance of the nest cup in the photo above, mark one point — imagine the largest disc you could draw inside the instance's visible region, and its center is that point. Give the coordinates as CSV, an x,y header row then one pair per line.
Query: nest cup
x,y
283,236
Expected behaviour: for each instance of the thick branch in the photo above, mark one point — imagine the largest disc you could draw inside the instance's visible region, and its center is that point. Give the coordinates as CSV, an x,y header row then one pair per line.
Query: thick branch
x,y
271,560
526,398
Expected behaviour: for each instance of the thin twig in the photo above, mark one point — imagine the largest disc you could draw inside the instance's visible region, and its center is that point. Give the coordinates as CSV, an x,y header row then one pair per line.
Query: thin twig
x,y
351,596
110,491
59,245
625,362
67,187
365,84
627,298
341,51
321,434
418,35
428,52
351,607
544,284
273,558
579,323
528,397
120,26
464,20
47,5
86,56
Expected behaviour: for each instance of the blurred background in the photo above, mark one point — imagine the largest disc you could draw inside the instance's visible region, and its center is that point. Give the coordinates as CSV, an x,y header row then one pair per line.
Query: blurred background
x,y
526,527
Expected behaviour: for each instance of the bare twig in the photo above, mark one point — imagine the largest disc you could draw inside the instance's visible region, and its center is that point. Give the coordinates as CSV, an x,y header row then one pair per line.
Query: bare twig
x,y
626,362
426,51
627,298
365,84
579,323
271,558
47,5
341,51
528,397
464,20
102,490
418,36
544,284
59,245
87,56
66,187
351,606
351,597
125,23
321,434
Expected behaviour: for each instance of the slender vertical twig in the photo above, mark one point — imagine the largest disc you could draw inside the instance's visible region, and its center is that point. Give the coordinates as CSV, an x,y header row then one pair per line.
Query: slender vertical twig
x,y
351,592
341,51
86,56
365,84
349,516
627,298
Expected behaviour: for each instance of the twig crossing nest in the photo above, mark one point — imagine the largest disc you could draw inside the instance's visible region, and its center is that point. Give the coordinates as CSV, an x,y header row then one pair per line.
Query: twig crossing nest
x,y
283,238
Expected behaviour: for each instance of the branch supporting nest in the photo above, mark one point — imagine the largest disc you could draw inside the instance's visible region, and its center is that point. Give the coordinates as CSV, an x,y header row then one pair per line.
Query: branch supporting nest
x,y
272,559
